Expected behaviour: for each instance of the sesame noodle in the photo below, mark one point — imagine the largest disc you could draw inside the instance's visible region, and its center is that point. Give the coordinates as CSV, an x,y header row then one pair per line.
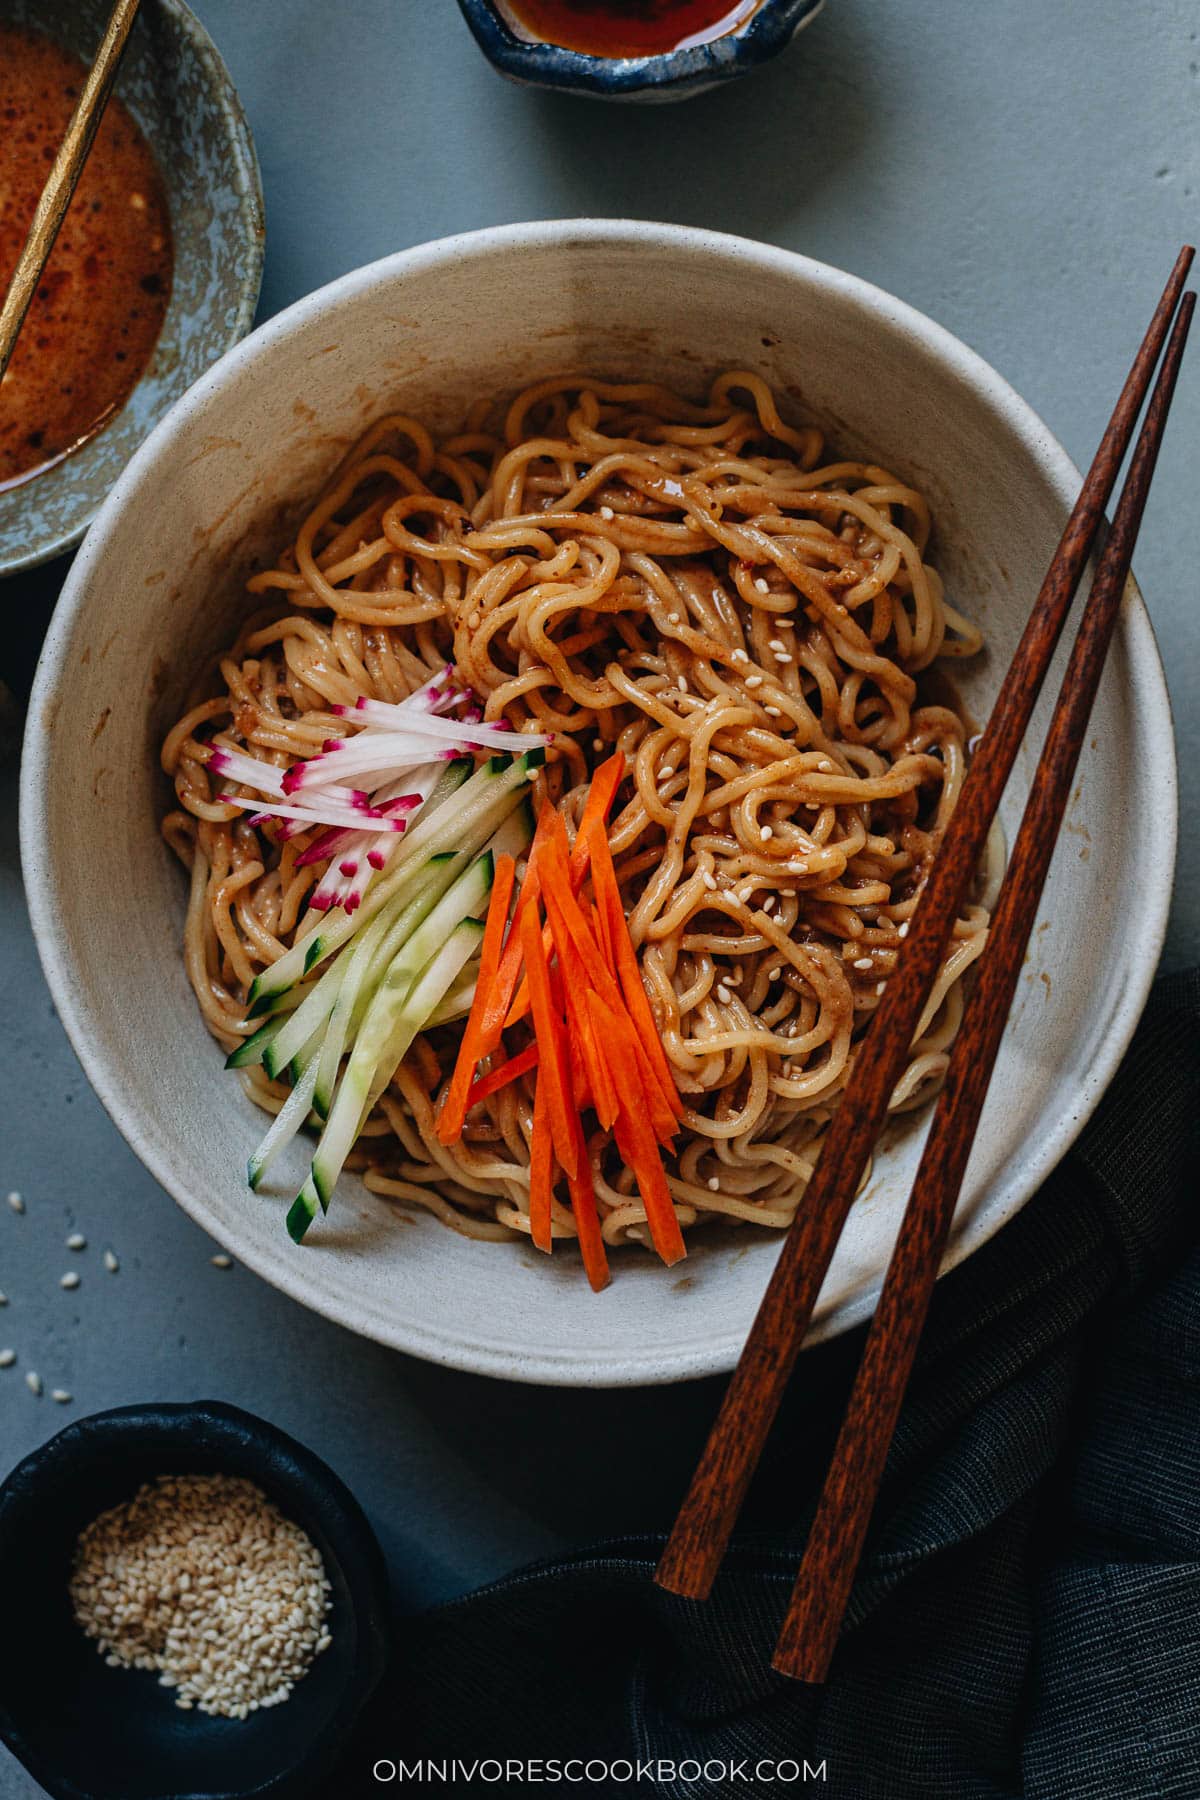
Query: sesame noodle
x,y
752,626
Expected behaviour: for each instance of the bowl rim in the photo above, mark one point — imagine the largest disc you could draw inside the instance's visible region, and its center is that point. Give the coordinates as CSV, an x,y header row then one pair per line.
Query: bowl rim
x,y
539,62
247,180
694,1356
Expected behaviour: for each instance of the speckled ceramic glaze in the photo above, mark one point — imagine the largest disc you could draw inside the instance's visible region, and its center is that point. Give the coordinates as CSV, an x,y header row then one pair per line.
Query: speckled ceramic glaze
x,y
177,88
157,588
674,75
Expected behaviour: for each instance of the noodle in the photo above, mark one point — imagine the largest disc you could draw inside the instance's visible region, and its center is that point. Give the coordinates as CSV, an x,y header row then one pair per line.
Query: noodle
x,y
690,584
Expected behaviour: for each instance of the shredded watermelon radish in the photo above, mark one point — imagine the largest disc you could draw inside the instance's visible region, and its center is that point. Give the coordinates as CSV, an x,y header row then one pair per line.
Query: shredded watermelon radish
x,y
365,789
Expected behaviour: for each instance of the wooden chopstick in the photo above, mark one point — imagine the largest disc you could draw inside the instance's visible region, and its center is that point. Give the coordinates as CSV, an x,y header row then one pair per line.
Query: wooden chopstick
x,y
818,1603
709,1511
64,174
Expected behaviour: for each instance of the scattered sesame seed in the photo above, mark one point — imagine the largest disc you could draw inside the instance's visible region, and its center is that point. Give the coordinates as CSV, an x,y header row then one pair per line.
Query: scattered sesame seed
x,y
863,962
776,644
739,656
709,881
77,1241
681,684
904,929
69,1280
772,712
16,1202
781,656
765,832
597,744
775,973
7,1358
714,1183
672,618
474,619
33,1382
110,1262
768,905
221,1261
754,681
723,994
61,1395
606,512
879,986
762,584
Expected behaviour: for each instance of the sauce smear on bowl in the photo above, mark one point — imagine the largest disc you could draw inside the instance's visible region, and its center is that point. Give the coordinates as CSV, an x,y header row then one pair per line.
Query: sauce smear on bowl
x,y
99,307
629,27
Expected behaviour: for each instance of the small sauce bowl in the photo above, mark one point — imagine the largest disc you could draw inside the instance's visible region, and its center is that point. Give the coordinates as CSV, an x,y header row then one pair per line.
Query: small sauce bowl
x,y
670,75
179,92
89,1732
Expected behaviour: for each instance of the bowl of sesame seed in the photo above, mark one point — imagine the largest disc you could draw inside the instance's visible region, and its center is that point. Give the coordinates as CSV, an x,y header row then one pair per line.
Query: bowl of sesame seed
x,y
204,1609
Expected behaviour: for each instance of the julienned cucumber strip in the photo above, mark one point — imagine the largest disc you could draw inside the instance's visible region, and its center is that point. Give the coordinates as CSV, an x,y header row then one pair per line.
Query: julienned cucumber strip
x,y
302,1211
467,897
251,1049
468,824
306,1019
366,963
458,1001
411,1016
372,957
421,1000
285,1125
465,820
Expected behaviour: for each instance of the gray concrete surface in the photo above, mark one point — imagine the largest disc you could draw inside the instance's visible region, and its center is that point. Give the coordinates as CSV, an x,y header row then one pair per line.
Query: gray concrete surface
x,y
1024,173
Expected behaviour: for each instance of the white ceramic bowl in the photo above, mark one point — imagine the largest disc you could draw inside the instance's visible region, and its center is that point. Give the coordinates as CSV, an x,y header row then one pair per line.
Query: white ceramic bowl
x,y
158,585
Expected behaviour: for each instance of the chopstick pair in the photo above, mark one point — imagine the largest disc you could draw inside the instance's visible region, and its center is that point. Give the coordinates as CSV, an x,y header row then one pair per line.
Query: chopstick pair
x,y
707,1516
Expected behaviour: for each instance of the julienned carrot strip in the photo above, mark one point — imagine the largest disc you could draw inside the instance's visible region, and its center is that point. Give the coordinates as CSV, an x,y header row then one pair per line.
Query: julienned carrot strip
x,y
600,932
541,1171
502,1074
596,808
608,897
574,986
579,954
567,919
581,1093
663,1122
497,1002
553,1073
587,1219
454,1111
635,1140
605,782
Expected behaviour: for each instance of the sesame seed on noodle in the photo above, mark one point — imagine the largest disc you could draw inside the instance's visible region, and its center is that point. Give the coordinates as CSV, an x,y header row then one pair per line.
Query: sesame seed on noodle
x,y
7,1358
203,1580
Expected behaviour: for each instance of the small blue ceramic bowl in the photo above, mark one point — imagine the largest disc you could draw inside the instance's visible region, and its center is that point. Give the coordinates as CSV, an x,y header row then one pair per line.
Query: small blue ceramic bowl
x,y
674,75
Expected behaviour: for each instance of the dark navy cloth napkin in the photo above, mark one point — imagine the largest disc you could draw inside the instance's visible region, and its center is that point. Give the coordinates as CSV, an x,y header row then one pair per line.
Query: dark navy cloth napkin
x,y
1027,1617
